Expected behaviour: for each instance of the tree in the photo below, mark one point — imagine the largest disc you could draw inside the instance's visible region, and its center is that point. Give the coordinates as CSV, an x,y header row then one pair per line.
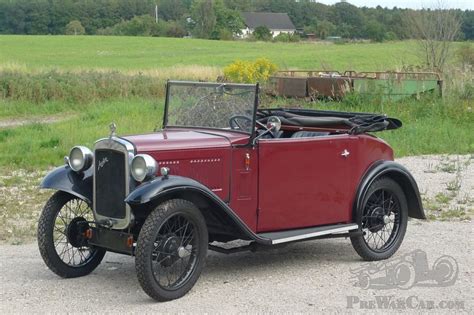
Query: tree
x,y
325,29
375,31
434,30
75,28
468,25
204,18
262,33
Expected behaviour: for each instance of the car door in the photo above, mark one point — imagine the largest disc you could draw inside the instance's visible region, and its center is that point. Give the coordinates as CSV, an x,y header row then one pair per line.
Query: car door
x,y
304,181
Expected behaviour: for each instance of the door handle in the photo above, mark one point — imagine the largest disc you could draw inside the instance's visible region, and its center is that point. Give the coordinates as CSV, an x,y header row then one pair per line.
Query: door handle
x,y
345,153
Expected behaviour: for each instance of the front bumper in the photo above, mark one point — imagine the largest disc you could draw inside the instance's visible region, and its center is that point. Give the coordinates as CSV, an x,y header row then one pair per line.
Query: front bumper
x,y
114,241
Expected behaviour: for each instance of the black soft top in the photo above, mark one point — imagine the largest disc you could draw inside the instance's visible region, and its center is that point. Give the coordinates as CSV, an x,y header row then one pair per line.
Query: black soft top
x,y
355,123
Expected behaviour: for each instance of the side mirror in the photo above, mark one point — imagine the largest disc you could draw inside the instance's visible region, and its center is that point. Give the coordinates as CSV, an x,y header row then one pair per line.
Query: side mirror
x,y
273,124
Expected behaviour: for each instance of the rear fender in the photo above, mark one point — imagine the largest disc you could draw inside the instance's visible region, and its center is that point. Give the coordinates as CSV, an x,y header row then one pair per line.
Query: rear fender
x,y
65,179
399,174
219,216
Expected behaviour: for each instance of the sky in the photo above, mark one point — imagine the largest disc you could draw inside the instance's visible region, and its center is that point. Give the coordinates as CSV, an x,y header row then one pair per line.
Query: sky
x,y
413,4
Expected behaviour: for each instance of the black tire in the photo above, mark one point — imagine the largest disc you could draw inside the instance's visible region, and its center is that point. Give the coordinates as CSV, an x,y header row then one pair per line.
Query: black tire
x,y
50,226
368,219
159,245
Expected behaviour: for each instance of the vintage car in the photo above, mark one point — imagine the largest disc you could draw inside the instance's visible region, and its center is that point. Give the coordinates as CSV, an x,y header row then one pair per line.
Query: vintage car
x,y
220,170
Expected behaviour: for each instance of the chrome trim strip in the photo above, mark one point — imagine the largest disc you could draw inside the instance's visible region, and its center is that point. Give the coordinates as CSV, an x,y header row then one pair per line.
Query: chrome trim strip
x,y
123,146
129,146
315,234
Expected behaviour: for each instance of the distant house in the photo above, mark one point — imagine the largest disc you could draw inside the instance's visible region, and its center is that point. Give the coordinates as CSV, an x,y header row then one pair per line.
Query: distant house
x,y
277,23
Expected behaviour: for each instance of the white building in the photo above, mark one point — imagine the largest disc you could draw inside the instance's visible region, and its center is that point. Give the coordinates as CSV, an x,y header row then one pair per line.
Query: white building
x,y
277,23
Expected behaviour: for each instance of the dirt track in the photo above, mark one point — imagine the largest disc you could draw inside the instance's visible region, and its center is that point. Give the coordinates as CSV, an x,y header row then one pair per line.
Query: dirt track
x,y
302,277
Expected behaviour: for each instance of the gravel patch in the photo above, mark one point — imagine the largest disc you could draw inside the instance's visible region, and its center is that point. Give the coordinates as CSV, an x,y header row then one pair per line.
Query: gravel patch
x,y
446,184
16,122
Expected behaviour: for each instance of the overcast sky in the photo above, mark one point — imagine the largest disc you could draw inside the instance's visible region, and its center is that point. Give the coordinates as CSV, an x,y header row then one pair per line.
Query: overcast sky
x,y
414,4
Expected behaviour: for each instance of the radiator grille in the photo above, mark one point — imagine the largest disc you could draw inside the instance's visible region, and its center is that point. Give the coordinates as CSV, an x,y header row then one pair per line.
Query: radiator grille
x,y
110,183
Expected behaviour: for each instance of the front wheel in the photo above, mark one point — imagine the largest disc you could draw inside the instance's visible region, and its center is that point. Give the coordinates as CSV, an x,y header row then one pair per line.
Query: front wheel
x,y
383,220
171,250
61,236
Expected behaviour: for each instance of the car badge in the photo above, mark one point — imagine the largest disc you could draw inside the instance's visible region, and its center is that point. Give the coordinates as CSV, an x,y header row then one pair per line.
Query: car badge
x,y
102,163
112,127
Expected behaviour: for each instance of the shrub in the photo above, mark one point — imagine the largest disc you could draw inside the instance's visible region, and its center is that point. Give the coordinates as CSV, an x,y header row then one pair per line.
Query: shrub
x,y
465,54
262,33
225,34
75,28
286,38
250,72
391,36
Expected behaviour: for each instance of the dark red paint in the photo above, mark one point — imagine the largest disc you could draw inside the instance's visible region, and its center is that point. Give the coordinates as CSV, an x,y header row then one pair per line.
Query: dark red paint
x,y
288,183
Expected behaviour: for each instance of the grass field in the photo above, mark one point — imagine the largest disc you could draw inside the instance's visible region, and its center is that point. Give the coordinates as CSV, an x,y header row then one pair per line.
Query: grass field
x,y
92,81
146,53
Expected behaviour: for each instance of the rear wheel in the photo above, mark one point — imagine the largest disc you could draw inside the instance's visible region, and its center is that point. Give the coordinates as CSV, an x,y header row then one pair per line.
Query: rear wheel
x,y
383,220
171,250
61,236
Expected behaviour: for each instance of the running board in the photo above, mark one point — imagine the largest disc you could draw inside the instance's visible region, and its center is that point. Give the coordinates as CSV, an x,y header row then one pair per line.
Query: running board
x,y
300,234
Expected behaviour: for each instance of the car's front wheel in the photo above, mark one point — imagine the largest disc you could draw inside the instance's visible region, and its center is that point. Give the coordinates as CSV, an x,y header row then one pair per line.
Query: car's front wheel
x,y
61,236
171,250
382,219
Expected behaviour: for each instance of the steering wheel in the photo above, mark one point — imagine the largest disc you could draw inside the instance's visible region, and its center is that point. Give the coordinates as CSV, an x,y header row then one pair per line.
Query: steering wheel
x,y
236,125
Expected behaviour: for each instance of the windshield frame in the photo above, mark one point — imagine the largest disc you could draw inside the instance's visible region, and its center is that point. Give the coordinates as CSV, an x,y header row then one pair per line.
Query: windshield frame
x,y
255,87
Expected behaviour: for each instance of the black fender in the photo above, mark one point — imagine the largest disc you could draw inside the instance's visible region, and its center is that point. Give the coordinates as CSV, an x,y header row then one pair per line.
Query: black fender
x,y
65,179
162,188
402,176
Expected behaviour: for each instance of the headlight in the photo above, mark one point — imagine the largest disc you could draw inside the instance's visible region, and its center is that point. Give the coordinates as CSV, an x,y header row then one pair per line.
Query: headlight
x,y
80,158
143,167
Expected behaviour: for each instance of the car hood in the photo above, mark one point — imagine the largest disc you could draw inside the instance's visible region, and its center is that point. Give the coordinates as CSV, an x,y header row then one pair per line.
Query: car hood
x,y
183,139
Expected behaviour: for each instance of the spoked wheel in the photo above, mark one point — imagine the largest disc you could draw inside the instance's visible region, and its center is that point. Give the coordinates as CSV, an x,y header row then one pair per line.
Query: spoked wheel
x,y
171,250
383,220
61,236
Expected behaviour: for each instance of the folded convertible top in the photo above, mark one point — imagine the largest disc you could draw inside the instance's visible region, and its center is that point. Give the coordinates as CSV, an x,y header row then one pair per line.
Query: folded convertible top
x,y
356,123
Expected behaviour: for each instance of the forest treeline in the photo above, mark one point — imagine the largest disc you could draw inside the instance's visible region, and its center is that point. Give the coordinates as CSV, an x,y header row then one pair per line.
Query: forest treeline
x,y
214,19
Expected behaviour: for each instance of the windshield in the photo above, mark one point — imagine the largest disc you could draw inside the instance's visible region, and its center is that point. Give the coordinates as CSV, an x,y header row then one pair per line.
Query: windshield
x,y
211,105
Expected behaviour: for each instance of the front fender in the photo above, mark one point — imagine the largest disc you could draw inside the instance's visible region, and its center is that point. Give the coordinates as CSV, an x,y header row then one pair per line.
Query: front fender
x,y
65,179
161,186
402,176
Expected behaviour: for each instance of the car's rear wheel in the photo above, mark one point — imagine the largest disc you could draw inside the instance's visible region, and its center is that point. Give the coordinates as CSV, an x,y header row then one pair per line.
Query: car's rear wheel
x,y
382,219
171,250
61,236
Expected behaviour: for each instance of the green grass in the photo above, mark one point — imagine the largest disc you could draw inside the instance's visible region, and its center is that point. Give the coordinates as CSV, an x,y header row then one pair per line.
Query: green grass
x,y
140,53
37,146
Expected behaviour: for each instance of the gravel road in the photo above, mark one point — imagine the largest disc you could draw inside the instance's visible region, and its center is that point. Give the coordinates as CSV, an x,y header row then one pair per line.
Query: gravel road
x,y
302,277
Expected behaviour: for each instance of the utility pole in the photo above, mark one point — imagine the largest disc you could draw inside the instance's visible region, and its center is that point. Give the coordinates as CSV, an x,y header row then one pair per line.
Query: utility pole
x,y
156,14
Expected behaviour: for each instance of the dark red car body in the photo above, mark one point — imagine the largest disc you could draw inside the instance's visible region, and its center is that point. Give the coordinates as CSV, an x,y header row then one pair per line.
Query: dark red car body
x,y
278,190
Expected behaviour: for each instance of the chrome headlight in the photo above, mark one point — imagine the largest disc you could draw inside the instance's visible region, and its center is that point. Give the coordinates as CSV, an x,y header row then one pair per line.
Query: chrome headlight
x,y
143,167
80,158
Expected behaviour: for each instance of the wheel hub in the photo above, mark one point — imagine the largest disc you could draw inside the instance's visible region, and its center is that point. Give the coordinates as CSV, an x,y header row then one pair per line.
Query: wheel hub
x,y
377,219
171,247
171,244
75,232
